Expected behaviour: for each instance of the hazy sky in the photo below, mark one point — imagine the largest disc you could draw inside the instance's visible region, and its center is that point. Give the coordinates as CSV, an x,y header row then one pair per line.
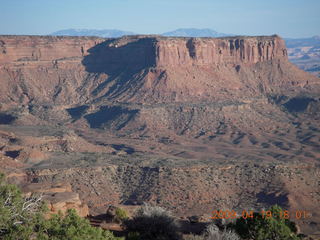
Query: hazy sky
x,y
288,18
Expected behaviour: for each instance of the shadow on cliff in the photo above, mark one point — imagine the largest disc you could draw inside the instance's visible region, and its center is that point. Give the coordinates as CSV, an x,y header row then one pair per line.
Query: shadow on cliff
x,y
123,61
272,199
111,117
6,118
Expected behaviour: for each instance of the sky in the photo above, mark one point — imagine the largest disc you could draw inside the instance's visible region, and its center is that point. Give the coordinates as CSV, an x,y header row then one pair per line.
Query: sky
x,y
288,18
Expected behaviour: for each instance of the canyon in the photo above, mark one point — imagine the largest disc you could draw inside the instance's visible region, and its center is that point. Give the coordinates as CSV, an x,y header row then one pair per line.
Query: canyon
x,y
305,53
190,124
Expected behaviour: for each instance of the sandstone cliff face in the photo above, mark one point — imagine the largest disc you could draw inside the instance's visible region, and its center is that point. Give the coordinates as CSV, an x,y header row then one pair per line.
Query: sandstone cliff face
x,y
209,51
43,48
163,51
174,51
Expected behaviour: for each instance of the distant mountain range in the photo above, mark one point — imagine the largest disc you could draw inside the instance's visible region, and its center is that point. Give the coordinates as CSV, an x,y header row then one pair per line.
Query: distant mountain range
x,y
181,32
304,52
195,32
105,33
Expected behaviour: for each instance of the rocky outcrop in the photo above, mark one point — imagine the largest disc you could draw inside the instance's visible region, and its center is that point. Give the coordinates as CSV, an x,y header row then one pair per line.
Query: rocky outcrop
x,y
58,196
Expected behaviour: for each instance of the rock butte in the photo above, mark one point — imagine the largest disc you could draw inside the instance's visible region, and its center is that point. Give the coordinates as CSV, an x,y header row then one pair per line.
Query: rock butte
x,y
145,69
164,50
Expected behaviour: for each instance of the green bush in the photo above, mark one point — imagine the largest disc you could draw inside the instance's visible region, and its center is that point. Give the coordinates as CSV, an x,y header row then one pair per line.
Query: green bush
x,y
261,227
71,227
121,215
18,215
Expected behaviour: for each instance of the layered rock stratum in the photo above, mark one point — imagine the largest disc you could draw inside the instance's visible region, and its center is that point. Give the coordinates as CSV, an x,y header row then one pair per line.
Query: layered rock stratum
x,y
191,124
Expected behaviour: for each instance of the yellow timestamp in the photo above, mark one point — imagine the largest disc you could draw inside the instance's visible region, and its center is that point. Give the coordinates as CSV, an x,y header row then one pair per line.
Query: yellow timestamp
x,y
247,214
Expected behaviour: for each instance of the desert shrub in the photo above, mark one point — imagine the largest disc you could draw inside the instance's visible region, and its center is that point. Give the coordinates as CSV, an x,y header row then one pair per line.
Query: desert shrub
x,y
121,215
260,227
212,232
228,235
153,223
23,218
